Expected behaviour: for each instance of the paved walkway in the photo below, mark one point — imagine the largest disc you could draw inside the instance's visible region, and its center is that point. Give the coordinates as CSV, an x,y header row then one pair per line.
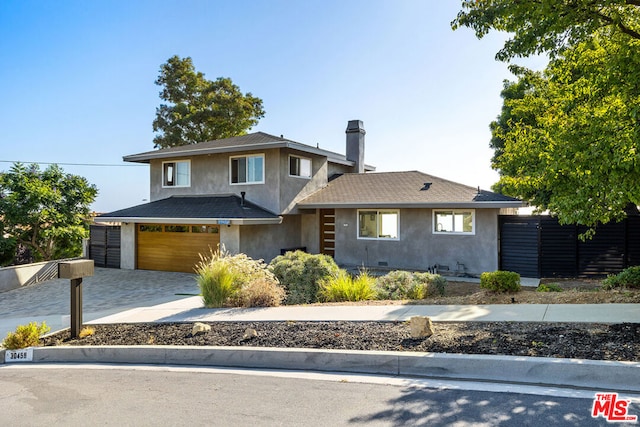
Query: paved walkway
x,y
191,310
108,291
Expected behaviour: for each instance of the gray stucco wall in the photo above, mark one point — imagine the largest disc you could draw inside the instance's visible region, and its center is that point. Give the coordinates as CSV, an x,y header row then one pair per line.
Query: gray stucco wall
x,y
210,175
294,189
310,234
418,248
265,241
128,246
230,238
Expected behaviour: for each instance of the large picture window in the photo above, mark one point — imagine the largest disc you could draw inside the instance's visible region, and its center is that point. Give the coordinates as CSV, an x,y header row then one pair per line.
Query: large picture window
x,y
247,169
299,166
455,221
176,174
373,224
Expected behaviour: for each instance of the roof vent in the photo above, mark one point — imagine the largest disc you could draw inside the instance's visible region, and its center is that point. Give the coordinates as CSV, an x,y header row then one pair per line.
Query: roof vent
x,y
427,185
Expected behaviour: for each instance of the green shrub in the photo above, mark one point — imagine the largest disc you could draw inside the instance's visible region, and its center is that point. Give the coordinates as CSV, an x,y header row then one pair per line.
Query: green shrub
x,y
343,287
300,273
236,280
436,283
395,285
551,287
500,281
217,282
25,336
627,278
399,284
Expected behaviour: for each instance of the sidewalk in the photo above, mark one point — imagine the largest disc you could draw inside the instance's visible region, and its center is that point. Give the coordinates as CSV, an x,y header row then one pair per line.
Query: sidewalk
x,y
593,374
191,310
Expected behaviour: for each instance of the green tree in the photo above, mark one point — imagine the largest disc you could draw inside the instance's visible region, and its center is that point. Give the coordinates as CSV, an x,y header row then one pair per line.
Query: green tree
x,y
198,109
46,211
567,137
551,26
572,142
512,91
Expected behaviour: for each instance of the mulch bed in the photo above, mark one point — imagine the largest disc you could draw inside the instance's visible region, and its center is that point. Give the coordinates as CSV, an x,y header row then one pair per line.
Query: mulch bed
x,y
594,341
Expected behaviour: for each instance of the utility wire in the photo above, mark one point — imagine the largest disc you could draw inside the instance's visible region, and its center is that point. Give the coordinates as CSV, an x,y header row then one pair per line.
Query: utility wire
x,y
69,164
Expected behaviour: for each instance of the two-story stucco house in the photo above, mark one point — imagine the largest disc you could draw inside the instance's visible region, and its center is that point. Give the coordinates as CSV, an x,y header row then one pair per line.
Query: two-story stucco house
x,y
261,194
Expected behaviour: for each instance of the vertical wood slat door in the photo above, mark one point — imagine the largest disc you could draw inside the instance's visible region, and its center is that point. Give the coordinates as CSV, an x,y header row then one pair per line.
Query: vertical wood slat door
x,y
174,247
328,232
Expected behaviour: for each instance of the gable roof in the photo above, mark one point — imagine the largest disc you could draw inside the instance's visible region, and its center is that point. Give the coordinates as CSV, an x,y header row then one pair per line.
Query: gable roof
x,y
402,189
251,141
194,210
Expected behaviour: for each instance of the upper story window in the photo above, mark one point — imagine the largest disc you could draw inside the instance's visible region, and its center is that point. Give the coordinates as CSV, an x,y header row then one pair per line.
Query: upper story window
x,y
381,225
247,169
176,174
299,166
454,221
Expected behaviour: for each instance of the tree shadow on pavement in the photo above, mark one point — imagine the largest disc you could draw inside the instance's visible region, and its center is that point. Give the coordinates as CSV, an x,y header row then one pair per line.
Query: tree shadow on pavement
x,y
437,407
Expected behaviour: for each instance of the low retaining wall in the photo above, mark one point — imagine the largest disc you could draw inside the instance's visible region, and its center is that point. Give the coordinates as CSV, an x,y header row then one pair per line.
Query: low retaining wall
x,y
28,274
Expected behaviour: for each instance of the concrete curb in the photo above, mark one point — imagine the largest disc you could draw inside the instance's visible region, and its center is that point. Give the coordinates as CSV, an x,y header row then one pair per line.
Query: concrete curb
x,y
597,375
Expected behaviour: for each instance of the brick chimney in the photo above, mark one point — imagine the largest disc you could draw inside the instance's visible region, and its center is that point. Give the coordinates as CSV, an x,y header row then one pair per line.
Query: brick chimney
x,y
355,144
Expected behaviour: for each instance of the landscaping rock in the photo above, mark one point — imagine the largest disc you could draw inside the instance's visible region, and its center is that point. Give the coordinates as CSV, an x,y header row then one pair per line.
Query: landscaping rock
x,y
200,328
250,333
421,327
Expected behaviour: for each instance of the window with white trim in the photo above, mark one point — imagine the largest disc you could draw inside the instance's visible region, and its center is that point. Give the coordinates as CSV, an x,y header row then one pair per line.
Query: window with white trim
x,y
454,221
247,169
378,224
176,174
300,167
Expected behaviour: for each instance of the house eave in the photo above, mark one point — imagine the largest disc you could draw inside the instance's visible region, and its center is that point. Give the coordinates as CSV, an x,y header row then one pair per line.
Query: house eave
x,y
189,221
191,151
434,205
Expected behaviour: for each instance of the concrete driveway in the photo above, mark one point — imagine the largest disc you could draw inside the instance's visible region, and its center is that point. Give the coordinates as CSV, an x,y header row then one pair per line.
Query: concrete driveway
x,y
107,292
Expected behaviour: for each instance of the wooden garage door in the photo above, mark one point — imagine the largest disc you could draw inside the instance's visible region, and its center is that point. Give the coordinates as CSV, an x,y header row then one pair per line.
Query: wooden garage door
x,y
168,247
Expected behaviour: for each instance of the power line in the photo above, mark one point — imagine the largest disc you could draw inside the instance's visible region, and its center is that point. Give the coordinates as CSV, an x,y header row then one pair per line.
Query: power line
x,y
71,164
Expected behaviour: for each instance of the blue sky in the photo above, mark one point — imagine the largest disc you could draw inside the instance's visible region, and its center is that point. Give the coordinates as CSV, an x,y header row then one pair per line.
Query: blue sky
x,y
77,80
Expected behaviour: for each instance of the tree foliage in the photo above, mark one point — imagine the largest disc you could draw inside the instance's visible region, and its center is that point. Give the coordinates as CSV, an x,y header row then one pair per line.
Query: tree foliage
x,y
551,26
572,140
198,109
567,138
45,211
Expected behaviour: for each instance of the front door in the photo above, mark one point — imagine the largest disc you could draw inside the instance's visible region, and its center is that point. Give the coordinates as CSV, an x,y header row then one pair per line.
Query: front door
x,y
328,232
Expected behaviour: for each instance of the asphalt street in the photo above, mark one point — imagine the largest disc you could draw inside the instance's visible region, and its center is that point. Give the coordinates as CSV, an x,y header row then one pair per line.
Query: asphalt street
x,y
148,396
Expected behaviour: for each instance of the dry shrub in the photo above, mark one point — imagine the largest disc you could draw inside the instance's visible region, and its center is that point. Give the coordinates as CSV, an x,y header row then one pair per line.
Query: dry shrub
x,y
260,293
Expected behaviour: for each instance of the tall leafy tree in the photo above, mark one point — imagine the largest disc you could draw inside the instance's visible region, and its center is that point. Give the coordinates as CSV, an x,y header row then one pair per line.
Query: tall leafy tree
x,y
548,26
568,138
46,211
199,110
579,155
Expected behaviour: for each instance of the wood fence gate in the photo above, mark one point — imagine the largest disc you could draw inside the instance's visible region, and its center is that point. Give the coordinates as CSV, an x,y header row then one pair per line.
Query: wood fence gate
x,y
538,246
104,245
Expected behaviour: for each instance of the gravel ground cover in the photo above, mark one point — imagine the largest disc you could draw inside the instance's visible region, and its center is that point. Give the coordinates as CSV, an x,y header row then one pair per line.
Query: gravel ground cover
x,y
567,340
594,341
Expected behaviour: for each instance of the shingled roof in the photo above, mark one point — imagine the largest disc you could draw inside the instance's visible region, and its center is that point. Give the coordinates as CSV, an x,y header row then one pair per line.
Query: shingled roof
x,y
251,141
402,189
194,210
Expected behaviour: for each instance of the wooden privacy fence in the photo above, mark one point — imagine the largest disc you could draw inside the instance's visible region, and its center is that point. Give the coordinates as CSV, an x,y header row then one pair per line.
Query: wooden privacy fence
x,y
104,246
538,246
